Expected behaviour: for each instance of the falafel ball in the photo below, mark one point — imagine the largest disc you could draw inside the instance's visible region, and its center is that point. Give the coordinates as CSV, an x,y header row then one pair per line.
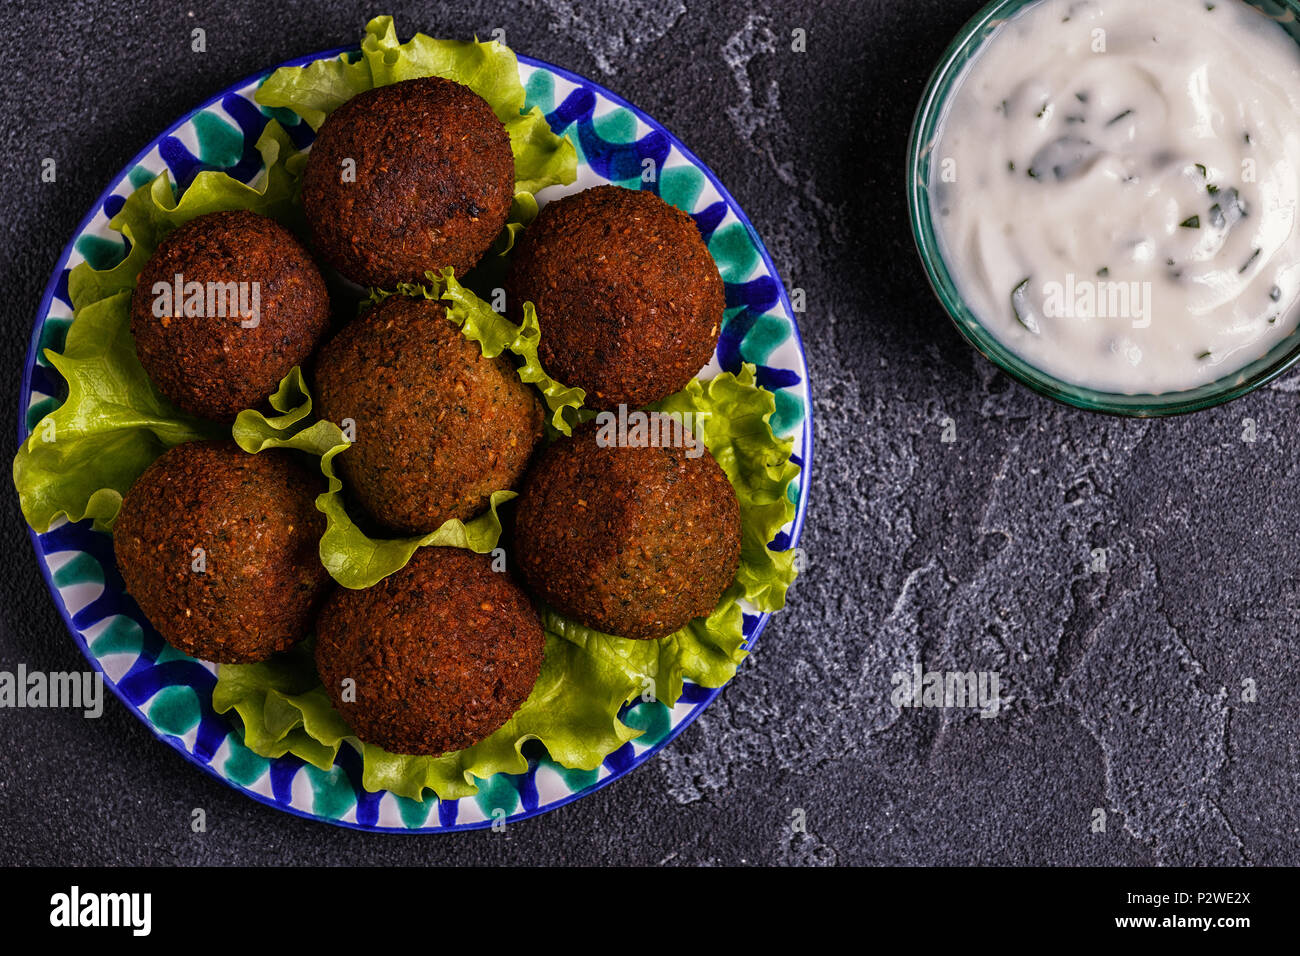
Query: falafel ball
x,y
442,653
402,179
219,549
630,540
262,310
628,297
438,427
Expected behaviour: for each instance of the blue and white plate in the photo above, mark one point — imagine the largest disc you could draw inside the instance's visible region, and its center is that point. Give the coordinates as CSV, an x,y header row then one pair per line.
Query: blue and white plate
x,y
172,693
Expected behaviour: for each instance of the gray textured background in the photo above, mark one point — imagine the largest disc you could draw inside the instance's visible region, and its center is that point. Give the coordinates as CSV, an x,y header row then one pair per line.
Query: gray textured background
x,y
971,555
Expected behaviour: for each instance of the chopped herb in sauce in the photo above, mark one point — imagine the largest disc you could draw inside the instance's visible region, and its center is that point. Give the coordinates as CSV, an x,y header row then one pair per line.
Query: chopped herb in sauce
x,y
1191,222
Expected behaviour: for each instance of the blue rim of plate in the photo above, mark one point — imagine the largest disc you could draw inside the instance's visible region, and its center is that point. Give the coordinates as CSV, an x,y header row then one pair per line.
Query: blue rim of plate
x,y
710,694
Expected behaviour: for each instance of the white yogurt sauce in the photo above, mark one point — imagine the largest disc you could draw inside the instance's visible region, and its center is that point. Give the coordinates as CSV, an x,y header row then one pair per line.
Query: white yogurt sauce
x,y
1114,185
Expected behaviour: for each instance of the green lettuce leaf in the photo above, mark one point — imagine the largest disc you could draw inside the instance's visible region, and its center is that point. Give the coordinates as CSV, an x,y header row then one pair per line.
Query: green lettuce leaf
x,y
352,558
489,69
738,433
495,334
283,706
587,676
81,458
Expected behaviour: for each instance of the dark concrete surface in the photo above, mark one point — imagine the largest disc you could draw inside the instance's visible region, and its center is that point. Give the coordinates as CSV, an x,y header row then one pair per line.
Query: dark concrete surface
x,y
975,554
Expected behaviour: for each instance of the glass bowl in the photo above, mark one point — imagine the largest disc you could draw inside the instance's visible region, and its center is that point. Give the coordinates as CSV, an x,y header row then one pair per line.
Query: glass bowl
x,y
928,114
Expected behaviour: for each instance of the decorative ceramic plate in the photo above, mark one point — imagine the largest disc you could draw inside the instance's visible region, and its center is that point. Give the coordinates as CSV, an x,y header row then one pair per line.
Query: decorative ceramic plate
x,y
172,693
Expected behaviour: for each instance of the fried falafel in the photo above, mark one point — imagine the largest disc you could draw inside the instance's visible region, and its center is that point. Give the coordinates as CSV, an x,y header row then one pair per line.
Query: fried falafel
x,y
438,427
441,653
629,299
219,549
634,541
224,308
408,178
